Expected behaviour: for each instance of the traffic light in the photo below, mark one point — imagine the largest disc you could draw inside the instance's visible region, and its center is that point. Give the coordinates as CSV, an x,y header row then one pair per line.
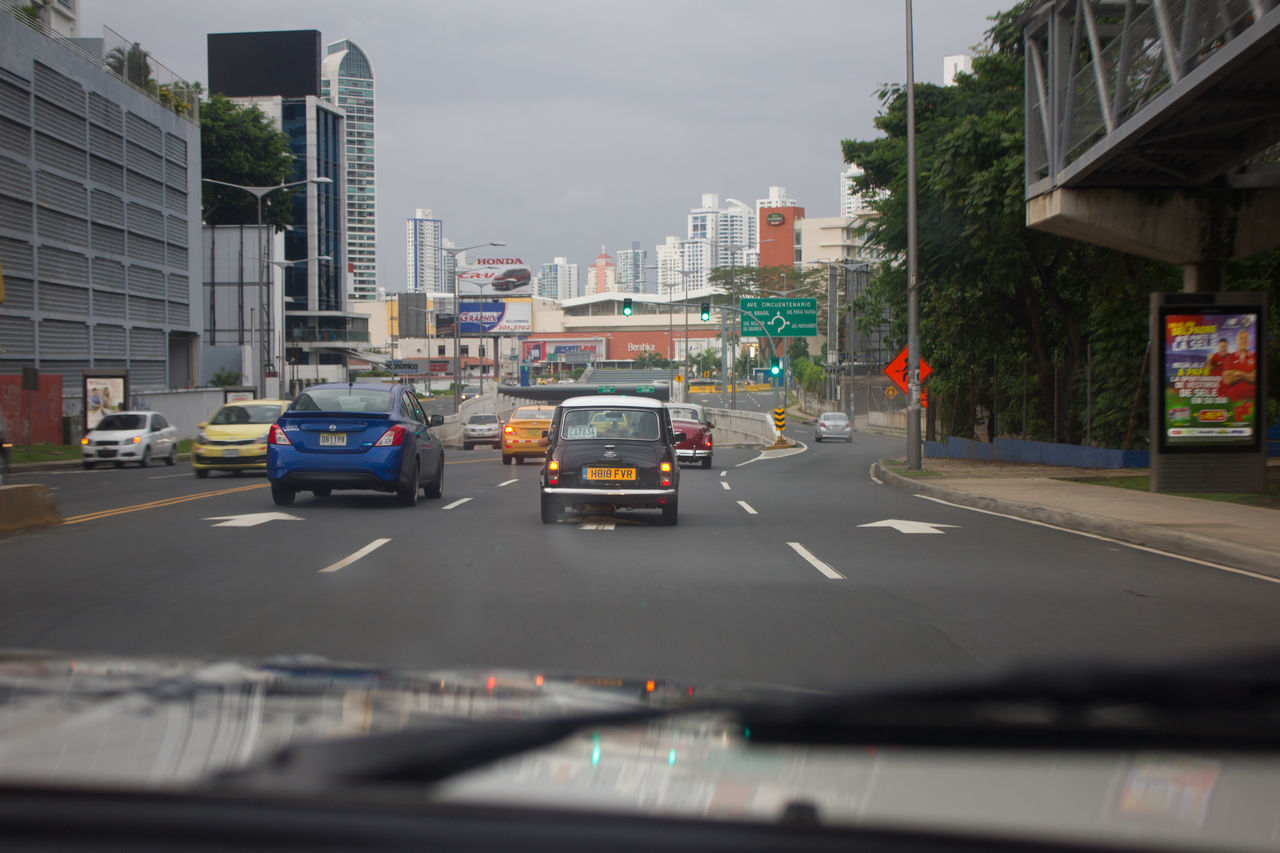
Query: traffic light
x,y
626,307
706,311
775,366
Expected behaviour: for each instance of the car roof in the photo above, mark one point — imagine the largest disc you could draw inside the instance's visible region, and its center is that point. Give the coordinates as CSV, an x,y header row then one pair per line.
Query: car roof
x,y
364,386
132,412
545,406
256,402
612,401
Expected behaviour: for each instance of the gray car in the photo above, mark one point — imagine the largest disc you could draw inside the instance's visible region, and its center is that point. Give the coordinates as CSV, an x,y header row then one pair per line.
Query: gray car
x,y
481,429
833,425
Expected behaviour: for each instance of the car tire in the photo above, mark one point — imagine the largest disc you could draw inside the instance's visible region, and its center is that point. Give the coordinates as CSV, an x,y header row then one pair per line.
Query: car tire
x,y
519,460
849,440
550,510
706,462
671,514
202,473
408,496
89,466
466,445
322,492
172,458
506,460
817,439
145,461
282,495
435,488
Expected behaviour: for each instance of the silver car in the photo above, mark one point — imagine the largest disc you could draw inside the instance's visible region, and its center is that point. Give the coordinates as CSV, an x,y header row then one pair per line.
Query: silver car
x,y
122,437
833,425
481,429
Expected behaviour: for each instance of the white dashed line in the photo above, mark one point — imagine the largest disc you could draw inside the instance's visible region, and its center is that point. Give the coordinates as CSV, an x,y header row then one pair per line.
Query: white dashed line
x,y
346,561
815,562
722,473
507,483
725,485
747,507
458,502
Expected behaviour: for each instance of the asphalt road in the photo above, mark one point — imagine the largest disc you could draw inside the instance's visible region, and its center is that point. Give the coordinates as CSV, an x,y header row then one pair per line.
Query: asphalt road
x,y
770,577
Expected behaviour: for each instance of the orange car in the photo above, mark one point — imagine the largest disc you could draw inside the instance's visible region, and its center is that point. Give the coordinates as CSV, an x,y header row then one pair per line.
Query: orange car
x,y
525,433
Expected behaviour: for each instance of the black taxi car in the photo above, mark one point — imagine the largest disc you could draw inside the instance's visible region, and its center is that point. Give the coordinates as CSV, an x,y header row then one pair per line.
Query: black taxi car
x,y
609,452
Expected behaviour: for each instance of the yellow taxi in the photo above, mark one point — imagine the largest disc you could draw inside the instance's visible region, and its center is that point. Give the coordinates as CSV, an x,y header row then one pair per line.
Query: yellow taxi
x,y
235,438
524,432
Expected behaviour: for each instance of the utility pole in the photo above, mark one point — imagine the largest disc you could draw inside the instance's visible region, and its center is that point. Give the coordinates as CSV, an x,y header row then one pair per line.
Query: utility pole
x,y
913,283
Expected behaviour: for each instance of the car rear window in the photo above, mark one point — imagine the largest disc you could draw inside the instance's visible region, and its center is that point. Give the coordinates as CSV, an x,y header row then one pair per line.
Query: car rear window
x,y
532,414
116,422
834,417
231,415
684,414
579,424
483,419
342,400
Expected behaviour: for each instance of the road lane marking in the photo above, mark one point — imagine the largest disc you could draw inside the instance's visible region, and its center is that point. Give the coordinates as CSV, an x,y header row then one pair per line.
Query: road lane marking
x,y
251,519
905,526
747,507
1101,538
458,502
815,562
346,561
872,472
724,485
168,476
722,473
781,453
472,461
107,513
507,483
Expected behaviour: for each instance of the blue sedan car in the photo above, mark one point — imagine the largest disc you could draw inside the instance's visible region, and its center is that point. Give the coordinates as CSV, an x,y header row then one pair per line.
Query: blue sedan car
x,y
359,435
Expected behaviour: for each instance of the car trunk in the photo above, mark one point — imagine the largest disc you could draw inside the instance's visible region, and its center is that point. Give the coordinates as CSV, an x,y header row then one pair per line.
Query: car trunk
x,y
334,432
609,462
692,434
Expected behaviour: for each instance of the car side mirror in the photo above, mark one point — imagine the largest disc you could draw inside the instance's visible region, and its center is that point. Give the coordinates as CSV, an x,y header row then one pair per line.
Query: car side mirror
x,y
711,424
435,420
546,433
677,437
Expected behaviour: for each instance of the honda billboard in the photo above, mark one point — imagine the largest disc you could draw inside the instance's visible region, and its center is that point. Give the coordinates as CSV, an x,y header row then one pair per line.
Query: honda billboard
x,y
495,277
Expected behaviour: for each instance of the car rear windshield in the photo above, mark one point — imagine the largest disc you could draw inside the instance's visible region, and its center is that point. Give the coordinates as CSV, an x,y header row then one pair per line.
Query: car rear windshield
x,y
532,414
834,417
482,419
684,414
115,422
231,415
342,400
609,423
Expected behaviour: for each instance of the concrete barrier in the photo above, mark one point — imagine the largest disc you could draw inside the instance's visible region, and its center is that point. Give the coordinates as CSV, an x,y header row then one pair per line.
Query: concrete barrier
x,y
27,506
736,428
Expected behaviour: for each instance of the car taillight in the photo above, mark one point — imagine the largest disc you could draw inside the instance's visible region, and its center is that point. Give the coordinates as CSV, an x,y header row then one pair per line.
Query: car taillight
x,y
666,467
706,441
275,435
509,429
553,472
666,473
393,437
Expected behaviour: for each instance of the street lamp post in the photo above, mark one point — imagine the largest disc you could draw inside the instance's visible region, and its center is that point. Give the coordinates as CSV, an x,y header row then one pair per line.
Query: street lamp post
x,y
914,450
259,193
457,321
280,361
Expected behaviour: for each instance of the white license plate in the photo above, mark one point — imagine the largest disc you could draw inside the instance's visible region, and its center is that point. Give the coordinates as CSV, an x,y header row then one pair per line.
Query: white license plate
x,y
333,439
230,451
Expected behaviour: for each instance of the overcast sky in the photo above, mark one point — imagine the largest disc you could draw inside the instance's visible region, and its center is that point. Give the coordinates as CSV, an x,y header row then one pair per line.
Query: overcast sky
x,y
559,126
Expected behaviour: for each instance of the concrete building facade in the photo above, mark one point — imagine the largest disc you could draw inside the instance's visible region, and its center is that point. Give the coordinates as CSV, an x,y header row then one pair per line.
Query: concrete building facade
x,y
346,79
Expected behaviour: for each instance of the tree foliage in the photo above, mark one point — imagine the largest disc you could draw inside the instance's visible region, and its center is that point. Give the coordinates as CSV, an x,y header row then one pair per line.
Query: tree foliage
x,y
241,145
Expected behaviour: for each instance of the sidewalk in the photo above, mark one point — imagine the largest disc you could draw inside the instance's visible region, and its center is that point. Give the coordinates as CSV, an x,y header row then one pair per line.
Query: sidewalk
x,y
1230,534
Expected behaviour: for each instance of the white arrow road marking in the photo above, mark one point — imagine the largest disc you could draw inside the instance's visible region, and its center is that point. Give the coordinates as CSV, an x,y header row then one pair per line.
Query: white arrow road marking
x,y
508,483
908,526
815,562
252,519
346,561
747,507
458,502
725,485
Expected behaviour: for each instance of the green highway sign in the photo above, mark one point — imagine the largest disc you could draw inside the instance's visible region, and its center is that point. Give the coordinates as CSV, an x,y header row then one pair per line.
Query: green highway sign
x,y
604,389
786,317
644,389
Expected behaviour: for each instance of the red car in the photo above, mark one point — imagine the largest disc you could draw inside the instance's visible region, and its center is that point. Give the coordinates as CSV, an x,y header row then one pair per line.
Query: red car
x,y
692,420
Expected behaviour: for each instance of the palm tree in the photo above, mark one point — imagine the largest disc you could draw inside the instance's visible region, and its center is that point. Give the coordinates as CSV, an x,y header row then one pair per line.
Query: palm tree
x,y
131,64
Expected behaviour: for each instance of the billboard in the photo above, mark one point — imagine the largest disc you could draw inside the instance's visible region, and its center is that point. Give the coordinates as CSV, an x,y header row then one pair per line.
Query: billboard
x,y
495,277
103,392
497,318
278,62
1209,376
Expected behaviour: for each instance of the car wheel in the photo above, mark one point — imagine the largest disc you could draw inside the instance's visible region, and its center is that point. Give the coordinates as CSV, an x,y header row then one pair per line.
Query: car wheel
x,y
550,510
466,445
202,473
519,460
671,514
172,458
322,492
145,461
506,460
282,495
435,488
408,496
89,466
817,439
706,462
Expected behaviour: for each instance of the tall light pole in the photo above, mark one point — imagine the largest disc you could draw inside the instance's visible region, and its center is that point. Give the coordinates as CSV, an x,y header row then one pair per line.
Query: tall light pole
x,y
259,193
282,265
457,320
913,284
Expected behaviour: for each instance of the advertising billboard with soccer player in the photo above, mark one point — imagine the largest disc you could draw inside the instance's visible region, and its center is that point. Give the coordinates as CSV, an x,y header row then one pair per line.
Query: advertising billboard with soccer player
x,y
1209,372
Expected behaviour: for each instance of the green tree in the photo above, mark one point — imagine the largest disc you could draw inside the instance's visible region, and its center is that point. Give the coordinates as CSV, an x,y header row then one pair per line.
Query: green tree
x,y
241,145
226,377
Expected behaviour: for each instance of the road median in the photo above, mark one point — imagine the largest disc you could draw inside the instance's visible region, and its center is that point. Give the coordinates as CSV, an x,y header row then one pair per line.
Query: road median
x,y
1122,516
27,507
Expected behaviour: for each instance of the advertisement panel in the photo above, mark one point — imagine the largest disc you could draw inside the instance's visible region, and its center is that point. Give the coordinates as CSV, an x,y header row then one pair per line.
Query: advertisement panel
x,y
1209,376
104,392
497,318
495,277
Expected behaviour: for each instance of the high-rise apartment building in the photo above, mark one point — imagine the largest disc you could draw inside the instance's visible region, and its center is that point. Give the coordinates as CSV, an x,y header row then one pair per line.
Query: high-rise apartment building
x,y
602,276
631,272
346,79
559,280
424,238
777,216
952,66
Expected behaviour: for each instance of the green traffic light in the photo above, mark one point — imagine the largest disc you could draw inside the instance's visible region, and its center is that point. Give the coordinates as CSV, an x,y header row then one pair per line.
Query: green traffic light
x,y
706,311
626,307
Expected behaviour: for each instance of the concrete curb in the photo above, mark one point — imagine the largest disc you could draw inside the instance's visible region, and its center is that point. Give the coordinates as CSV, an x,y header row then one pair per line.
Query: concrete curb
x,y
1134,533
26,507
55,465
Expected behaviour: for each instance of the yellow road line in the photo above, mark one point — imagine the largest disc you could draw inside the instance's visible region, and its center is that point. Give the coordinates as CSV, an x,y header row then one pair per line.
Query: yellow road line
x,y
107,513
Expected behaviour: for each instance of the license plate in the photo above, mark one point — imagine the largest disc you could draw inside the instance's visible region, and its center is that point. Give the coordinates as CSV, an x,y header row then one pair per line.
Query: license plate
x,y
230,451
333,439
608,473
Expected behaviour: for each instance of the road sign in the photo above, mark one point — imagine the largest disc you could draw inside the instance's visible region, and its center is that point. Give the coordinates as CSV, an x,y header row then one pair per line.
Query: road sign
x,y
891,392
897,370
604,389
780,418
679,377
644,389
795,318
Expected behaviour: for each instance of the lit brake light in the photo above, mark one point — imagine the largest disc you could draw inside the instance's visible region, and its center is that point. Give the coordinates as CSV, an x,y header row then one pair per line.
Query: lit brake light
x,y
509,429
276,435
666,466
553,473
393,437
